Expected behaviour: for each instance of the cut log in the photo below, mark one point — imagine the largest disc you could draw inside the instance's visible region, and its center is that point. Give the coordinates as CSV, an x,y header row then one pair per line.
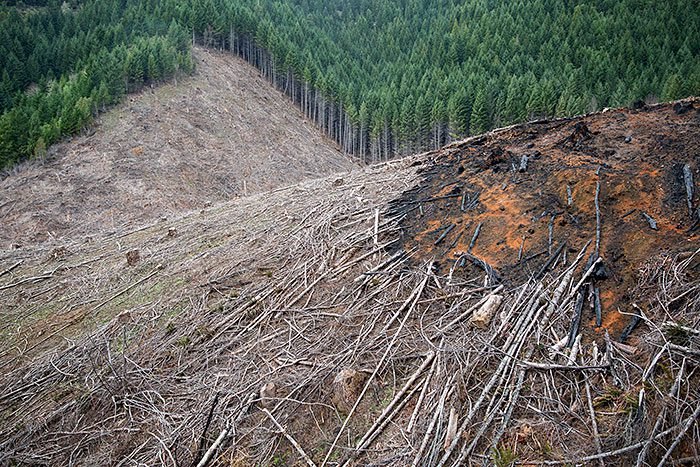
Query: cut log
x,y
688,179
482,317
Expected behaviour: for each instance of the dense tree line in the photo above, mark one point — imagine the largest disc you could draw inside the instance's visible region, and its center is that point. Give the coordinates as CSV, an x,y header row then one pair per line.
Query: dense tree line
x,y
380,77
61,66
384,78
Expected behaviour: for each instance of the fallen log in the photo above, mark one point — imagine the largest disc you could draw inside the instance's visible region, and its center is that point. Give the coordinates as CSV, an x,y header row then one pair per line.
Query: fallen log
x,y
441,238
634,321
688,179
474,237
576,322
598,307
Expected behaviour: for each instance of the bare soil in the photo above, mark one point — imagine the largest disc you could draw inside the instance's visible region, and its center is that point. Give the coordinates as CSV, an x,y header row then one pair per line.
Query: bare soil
x,y
633,158
219,134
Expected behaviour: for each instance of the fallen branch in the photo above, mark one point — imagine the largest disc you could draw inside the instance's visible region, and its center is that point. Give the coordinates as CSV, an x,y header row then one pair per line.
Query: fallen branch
x,y
11,268
126,289
686,426
604,455
228,429
379,364
386,414
289,437
547,366
28,279
214,447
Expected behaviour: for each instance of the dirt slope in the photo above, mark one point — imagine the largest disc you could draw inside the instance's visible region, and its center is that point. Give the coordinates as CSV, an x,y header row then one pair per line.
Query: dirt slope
x,y
327,323
167,150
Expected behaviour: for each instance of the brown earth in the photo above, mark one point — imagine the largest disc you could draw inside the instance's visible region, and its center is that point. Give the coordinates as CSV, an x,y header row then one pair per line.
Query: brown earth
x,y
637,157
243,318
219,134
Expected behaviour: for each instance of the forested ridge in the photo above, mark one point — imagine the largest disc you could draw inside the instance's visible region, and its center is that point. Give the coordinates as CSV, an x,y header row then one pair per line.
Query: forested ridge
x,y
381,78
61,64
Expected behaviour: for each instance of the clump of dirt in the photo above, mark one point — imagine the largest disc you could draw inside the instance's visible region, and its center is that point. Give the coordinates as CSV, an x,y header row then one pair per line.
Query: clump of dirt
x,y
525,200
222,133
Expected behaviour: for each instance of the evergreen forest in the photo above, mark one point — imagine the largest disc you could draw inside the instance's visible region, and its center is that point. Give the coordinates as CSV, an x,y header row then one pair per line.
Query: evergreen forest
x,y
382,78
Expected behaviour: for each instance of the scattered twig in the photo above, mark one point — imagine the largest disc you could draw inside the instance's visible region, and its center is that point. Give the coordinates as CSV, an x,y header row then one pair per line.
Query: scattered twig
x,y
291,439
11,268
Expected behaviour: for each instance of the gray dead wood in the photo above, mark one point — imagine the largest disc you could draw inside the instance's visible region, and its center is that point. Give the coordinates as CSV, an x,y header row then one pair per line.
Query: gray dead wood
x,y
474,237
523,164
651,221
688,179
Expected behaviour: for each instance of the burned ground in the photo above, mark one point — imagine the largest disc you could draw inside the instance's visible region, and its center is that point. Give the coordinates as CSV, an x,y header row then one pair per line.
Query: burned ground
x,y
512,199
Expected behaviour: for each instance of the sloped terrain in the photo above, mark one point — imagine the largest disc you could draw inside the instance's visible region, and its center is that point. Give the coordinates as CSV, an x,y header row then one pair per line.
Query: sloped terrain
x,y
221,133
343,321
529,196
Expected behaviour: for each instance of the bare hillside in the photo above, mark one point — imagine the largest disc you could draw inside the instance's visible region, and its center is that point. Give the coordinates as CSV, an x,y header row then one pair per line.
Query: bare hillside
x,y
170,149
527,297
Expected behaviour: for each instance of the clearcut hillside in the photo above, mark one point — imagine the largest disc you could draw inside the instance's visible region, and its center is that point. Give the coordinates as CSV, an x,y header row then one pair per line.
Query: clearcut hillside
x,y
222,133
530,295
